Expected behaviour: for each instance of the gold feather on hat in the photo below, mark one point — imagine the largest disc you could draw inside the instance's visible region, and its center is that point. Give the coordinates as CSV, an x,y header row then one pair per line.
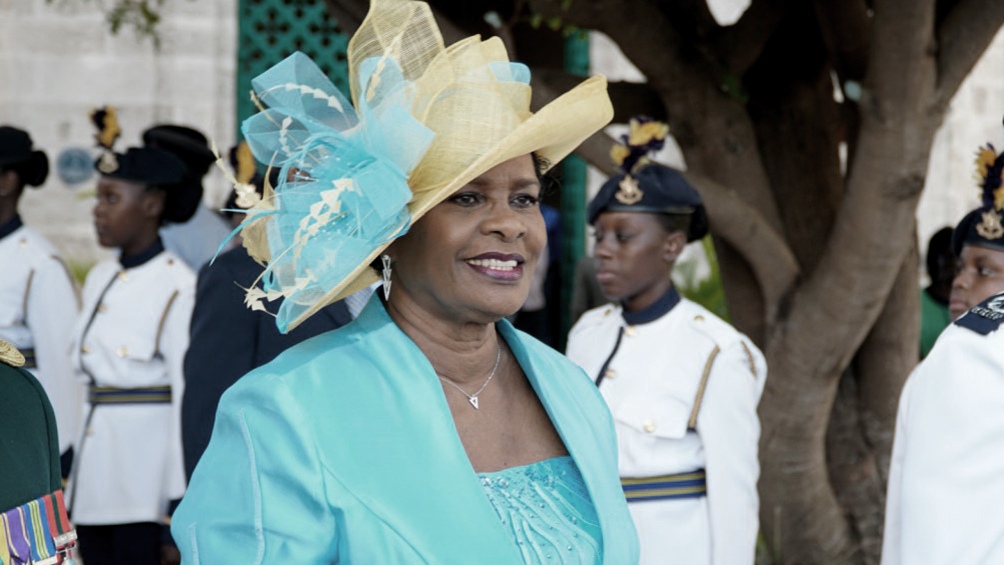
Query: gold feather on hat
x,y
106,120
643,133
246,168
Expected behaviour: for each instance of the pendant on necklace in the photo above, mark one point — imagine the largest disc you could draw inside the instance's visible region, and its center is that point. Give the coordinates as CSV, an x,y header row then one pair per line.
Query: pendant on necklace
x,y
474,402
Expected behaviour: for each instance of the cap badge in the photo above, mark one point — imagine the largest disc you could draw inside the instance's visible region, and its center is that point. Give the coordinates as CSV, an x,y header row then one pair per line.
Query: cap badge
x,y
628,192
108,163
990,226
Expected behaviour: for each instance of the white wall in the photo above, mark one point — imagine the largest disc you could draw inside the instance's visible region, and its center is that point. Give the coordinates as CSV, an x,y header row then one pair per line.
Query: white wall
x,y
58,61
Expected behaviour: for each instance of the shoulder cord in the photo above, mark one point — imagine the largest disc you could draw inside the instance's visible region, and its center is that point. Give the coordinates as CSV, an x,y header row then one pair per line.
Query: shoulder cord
x,y
603,369
692,423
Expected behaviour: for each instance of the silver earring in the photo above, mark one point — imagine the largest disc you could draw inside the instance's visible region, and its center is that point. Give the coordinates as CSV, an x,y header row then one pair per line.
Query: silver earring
x,y
385,259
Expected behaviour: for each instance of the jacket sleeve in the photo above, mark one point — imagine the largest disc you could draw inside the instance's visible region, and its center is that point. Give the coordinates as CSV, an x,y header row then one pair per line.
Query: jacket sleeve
x,y
51,309
730,431
258,495
222,349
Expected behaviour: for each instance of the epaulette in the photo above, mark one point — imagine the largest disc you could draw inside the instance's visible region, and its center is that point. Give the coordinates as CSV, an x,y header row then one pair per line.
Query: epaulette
x,y
10,355
985,317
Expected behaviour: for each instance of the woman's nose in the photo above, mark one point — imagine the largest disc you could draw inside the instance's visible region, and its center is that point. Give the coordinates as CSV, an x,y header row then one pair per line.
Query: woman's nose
x,y
961,280
506,222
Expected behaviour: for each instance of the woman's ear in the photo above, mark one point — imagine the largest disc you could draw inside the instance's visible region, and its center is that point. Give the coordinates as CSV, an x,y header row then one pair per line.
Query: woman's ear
x,y
8,182
153,204
675,242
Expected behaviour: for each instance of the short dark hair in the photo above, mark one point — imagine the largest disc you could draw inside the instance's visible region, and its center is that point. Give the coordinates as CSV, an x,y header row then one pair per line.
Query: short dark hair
x,y
675,222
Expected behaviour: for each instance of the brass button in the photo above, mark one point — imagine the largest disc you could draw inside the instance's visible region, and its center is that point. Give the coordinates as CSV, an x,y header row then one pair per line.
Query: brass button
x,y
102,308
122,351
170,261
648,426
607,311
123,276
85,349
630,331
610,374
698,318
23,241
90,431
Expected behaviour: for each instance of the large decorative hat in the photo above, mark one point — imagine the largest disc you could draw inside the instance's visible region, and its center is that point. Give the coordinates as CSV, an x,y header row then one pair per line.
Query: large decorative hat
x,y
425,119
16,152
644,186
144,165
983,226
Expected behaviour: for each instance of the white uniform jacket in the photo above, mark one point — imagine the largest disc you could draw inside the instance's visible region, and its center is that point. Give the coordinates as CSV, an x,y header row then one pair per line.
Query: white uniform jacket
x,y
945,501
132,333
683,390
38,305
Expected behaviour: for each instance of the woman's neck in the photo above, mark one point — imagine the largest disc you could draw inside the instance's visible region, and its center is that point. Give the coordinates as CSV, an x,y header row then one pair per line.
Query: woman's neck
x,y
460,351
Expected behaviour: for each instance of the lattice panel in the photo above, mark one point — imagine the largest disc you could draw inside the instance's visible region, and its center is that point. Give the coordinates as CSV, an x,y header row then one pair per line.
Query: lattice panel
x,y
270,30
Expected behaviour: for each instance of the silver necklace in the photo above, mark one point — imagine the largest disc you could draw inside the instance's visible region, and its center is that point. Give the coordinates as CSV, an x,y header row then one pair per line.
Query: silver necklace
x,y
473,398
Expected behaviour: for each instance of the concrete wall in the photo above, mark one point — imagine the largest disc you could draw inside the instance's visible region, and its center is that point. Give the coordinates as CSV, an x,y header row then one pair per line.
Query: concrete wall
x,y
58,61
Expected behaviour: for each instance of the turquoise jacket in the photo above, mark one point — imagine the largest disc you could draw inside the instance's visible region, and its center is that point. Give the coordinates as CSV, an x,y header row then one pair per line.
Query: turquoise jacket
x,y
343,450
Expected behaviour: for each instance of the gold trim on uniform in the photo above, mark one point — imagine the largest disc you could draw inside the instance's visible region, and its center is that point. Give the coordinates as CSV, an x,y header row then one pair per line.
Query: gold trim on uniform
x,y
692,423
749,358
163,318
10,355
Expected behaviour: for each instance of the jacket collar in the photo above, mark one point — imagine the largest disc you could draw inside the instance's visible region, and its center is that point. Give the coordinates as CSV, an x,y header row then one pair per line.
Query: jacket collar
x,y
664,304
11,226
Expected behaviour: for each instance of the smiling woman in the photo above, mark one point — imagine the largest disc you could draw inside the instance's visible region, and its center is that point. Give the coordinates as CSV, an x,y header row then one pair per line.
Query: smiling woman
x,y
429,429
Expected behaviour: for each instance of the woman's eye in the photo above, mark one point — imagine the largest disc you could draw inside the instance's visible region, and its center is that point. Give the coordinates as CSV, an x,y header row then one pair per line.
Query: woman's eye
x,y
466,199
525,201
985,271
622,237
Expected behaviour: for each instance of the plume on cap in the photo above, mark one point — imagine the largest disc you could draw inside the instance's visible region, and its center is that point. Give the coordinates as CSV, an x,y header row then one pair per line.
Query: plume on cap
x,y
989,166
644,136
107,123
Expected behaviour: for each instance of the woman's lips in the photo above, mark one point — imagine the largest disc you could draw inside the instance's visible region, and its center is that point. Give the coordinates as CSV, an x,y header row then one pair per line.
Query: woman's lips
x,y
498,266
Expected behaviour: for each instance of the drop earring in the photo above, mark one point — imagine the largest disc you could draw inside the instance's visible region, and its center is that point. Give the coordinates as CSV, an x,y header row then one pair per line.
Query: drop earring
x,y
385,259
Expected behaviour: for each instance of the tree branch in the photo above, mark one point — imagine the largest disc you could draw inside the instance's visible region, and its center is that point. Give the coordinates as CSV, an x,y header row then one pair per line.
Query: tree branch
x,y
963,37
751,235
844,27
741,44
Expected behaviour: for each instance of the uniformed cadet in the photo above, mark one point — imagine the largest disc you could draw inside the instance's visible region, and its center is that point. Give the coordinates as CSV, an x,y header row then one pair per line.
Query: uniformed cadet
x,y
946,479
682,385
34,527
38,298
978,240
130,345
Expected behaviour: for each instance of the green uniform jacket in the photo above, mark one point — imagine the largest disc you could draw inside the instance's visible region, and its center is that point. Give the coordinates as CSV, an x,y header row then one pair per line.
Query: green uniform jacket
x,y
29,444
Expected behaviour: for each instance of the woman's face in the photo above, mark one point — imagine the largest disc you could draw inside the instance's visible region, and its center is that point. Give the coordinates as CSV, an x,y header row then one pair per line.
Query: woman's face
x,y
471,257
634,257
126,214
979,275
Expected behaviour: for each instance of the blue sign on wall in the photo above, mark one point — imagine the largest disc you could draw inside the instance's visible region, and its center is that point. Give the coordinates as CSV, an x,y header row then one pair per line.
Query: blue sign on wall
x,y
75,165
